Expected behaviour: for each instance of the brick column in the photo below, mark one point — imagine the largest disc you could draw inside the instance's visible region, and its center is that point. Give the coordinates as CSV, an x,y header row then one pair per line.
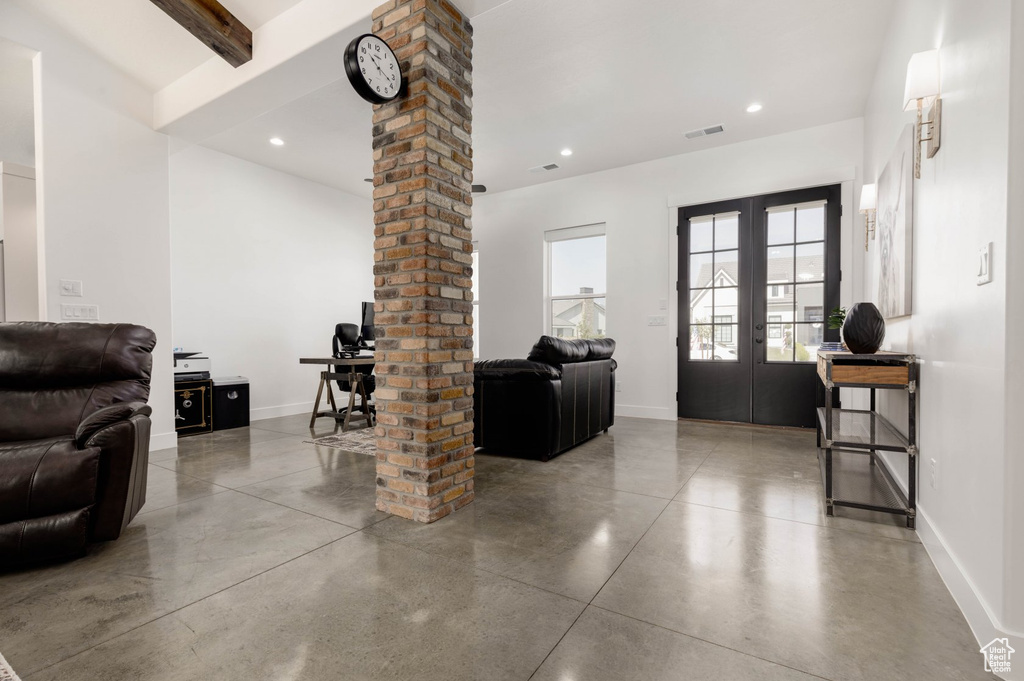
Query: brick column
x,y
422,193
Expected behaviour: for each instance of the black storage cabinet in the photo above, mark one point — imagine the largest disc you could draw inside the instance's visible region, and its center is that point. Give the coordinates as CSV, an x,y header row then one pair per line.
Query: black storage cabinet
x,y
193,402
230,402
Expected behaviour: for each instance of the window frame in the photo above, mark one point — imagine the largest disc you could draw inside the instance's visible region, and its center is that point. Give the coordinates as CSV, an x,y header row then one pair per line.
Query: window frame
x,y
571,234
476,300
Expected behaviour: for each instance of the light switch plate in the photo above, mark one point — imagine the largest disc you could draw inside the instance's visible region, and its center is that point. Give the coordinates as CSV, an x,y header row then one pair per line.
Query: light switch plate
x,y
662,303
657,320
985,264
79,313
71,288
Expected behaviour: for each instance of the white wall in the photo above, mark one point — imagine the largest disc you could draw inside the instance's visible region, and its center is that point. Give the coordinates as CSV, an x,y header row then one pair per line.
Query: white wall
x,y
102,192
957,328
638,206
1013,619
19,232
264,265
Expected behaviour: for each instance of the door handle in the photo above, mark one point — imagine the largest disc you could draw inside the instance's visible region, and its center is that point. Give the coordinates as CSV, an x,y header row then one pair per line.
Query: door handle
x,y
758,340
758,327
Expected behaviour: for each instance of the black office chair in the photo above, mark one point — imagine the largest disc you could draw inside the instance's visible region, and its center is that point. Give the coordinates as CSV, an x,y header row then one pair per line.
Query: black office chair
x,y
346,343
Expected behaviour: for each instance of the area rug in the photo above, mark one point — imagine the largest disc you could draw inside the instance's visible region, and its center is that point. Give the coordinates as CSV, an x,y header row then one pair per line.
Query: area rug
x,y
6,673
362,441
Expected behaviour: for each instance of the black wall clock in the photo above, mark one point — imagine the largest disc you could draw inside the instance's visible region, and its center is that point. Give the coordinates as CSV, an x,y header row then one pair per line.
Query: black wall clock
x,y
373,69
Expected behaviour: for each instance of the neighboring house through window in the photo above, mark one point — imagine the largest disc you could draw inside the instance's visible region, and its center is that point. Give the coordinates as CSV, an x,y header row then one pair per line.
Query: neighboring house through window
x,y
575,304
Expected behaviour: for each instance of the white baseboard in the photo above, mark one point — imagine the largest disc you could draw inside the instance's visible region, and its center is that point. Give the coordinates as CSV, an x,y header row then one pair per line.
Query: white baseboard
x,y
980,618
264,413
636,411
163,441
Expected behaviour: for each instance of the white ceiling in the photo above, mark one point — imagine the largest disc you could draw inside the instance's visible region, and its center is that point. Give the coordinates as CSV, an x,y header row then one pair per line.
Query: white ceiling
x,y
617,82
17,139
139,38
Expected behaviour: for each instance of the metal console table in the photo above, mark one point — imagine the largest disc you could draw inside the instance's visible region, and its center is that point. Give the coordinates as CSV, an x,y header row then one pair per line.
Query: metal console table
x,y
846,432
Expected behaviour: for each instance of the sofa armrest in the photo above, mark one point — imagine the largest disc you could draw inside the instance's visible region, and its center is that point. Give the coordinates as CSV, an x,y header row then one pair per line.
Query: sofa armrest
x,y
515,370
108,416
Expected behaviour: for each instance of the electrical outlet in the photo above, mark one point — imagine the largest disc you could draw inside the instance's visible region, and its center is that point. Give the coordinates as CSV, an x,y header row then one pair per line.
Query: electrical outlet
x,y
934,470
618,386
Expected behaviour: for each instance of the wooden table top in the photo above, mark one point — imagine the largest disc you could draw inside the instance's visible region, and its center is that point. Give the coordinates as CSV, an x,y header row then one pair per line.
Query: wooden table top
x,y
881,355
360,360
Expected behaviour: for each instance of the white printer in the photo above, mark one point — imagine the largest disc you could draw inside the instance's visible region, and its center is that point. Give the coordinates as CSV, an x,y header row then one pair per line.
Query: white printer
x,y
190,366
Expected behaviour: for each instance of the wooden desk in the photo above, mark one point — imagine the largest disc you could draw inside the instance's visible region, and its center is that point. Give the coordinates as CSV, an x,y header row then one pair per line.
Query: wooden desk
x,y
355,382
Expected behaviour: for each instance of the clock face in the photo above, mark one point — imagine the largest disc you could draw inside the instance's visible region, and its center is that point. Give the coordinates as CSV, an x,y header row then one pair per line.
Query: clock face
x,y
373,69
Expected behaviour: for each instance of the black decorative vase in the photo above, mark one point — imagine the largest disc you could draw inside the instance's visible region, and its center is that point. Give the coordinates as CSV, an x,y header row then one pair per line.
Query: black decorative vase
x,y
864,329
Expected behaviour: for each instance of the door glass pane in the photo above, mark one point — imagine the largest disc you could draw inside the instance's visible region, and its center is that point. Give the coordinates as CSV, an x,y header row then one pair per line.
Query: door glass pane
x,y
808,339
780,302
779,343
701,270
701,306
810,223
780,264
726,337
810,262
578,318
701,234
701,337
727,305
727,266
578,266
810,302
727,233
780,227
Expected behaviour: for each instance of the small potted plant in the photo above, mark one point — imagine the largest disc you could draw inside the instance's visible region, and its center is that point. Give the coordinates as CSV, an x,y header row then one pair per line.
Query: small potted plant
x,y
836,318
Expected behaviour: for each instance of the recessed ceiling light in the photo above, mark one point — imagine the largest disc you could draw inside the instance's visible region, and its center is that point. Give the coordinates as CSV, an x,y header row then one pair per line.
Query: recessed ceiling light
x,y
754,108
566,152
277,141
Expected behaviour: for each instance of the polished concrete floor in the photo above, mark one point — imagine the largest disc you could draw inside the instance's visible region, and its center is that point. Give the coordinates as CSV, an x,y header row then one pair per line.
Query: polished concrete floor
x,y
662,550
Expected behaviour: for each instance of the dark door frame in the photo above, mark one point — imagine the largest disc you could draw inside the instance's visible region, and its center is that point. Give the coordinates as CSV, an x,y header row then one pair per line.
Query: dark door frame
x,y
735,376
744,375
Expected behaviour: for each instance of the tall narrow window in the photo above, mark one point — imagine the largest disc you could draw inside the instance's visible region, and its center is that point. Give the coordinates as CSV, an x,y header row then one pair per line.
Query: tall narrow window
x,y
476,303
577,289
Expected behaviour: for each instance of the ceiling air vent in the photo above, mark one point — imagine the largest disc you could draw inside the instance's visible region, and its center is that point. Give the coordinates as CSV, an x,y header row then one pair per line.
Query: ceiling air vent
x,y
544,168
704,132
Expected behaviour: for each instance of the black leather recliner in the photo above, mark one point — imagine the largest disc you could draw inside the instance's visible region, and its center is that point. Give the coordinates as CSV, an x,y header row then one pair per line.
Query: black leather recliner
x,y
537,408
74,435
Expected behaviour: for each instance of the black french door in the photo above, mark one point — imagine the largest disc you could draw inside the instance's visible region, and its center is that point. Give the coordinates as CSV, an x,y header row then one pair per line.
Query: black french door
x,y
757,278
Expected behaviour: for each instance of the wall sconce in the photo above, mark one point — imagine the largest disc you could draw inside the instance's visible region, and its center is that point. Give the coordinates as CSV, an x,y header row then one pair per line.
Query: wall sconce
x,y
868,202
922,90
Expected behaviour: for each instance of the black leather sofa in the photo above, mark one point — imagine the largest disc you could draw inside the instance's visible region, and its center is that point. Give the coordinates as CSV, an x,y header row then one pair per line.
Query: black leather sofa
x,y
74,435
537,408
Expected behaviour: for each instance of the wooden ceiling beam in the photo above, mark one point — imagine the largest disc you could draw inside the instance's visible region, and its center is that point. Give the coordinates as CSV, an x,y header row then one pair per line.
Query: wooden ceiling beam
x,y
214,25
